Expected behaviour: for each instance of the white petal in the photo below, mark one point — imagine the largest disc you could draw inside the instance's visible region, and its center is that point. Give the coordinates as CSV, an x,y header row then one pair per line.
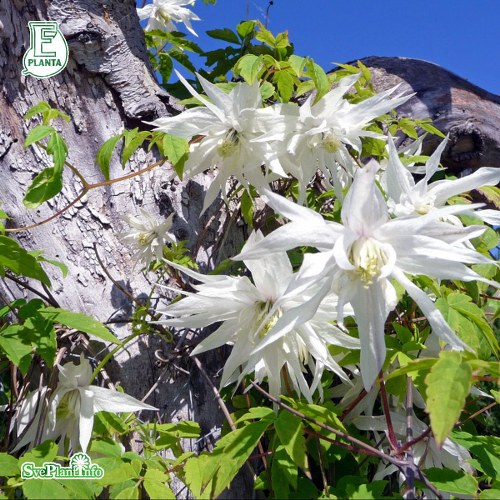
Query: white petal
x,y
364,207
485,176
371,310
398,178
116,402
438,324
272,272
86,420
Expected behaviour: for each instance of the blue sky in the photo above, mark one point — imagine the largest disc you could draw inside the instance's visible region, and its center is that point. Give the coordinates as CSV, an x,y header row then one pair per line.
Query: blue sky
x,y
463,36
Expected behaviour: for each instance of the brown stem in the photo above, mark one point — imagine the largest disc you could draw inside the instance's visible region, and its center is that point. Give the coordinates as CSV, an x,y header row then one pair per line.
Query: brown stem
x,y
364,446
52,217
477,413
385,404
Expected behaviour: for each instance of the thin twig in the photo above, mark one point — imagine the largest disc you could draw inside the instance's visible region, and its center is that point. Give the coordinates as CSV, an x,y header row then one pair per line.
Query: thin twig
x,y
22,284
362,445
393,441
410,476
219,400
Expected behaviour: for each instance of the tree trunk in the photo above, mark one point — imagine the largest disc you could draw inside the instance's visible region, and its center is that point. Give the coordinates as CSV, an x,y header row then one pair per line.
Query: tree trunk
x,y
107,85
469,114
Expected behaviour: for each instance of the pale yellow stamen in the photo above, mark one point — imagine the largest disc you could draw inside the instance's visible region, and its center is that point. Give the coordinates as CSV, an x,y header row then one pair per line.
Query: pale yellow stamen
x,y
369,258
229,145
330,143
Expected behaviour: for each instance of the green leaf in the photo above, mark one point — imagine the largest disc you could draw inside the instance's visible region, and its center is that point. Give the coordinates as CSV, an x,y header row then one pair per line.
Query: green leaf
x,y
176,149
154,484
133,140
265,36
448,385
45,452
245,28
79,321
224,34
37,134
290,431
297,63
19,261
250,67
118,475
182,58
318,76
104,153
257,412
455,482
15,347
247,208
63,267
267,90
469,321
484,449
44,489
41,107
59,150
130,493
8,465
165,66
209,474
284,473
285,83
45,186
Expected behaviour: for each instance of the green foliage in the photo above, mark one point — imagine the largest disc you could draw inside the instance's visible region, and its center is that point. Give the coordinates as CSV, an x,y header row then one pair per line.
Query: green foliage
x,y
80,322
208,474
448,385
104,154
19,261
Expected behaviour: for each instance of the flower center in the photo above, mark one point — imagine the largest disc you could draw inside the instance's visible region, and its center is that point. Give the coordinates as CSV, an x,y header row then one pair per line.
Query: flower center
x,y
368,256
164,13
69,405
264,308
145,239
229,145
330,143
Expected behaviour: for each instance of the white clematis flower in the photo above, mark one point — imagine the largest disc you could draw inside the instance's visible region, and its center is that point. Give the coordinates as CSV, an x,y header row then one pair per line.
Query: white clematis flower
x,y
251,314
229,123
72,407
367,251
409,197
146,237
322,133
162,14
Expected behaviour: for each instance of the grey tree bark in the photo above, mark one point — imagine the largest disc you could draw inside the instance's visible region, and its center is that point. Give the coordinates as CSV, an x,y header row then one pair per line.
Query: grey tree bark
x,y
107,85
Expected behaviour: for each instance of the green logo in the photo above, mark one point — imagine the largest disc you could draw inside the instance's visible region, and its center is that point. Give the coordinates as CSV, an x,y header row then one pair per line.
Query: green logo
x,y
80,467
48,52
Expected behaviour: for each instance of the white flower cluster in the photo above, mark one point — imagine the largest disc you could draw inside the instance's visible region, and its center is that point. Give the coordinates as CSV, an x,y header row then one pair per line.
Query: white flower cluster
x,y
392,228
163,14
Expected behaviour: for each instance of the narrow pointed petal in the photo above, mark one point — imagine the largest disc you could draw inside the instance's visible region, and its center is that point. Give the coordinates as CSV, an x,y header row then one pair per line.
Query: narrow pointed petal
x,y
398,178
364,207
438,324
86,422
114,401
370,309
485,176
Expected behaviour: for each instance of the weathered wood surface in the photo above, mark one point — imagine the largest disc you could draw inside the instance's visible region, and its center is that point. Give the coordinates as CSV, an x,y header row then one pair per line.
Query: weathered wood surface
x,y
107,85
469,114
